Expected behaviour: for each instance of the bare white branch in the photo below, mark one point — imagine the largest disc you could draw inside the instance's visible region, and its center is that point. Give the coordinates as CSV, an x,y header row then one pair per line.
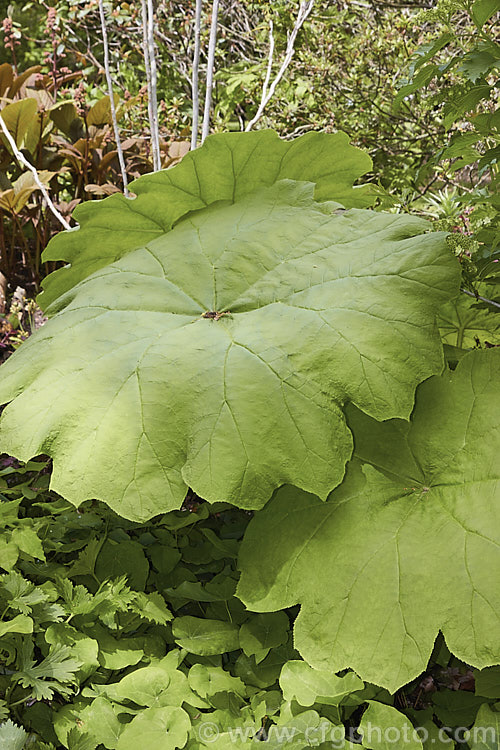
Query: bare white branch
x,y
111,98
154,78
3,292
210,70
145,50
22,160
268,91
151,78
270,60
195,80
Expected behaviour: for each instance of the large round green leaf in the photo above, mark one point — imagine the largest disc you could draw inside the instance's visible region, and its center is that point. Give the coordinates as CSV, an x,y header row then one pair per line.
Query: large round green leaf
x,y
219,355
397,553
227,167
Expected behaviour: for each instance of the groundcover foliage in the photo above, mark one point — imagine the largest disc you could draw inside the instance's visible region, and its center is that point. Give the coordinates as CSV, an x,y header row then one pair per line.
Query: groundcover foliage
x,y
192,348
115,633
238,329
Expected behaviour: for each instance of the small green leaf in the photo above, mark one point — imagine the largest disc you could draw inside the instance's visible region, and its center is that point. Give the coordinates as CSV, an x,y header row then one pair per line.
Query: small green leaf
x,y
205,637
384,728
20,624
144,686
86,561
18,117
65,117
457,106
151,607
83,648
307,686
208,681
421,79
55,674
156,729
456,708
488,682
305,729
78,741
9,553
80,721
426,52
28,541
195,591
68,718
261,633
77,599
12,737
9,509
478,63
267,672
100,112
482,10
117,559
100,720
485,734
164,558
116,653
21,594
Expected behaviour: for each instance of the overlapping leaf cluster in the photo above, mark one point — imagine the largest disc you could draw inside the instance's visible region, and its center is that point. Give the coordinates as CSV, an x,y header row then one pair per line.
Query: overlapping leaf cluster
x,y
233,304
105,650
235,330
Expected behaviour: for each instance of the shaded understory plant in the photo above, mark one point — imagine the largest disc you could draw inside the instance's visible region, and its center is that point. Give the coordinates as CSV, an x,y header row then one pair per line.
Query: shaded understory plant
x,y
114,632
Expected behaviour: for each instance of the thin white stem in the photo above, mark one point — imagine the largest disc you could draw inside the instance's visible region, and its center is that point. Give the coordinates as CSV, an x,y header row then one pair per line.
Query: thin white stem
x,y
151,78
154,79
112,99
3,292
270,60
268,91
210,70
145,49
22,160
195,80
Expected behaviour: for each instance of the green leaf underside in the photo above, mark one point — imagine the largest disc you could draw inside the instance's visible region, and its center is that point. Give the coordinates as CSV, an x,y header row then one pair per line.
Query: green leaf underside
x,y
136,395
398,553
227,167
462,324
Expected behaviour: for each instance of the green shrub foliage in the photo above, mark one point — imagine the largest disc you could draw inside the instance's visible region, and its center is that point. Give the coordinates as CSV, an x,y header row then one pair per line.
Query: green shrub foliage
x,y
229,308
249,353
